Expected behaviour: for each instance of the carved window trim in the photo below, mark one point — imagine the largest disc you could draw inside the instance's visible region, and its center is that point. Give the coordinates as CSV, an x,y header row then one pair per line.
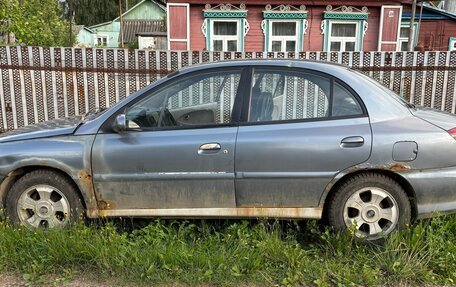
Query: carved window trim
x,y
287,13
229,13
341,14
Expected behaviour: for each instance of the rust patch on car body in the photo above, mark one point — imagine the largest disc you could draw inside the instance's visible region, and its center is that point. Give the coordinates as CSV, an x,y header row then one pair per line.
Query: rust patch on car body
x,y
106,205
399,167
232,212
86,184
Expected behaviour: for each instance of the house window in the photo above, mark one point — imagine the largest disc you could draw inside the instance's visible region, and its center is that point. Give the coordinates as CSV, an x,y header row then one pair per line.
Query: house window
x,y
452,45
225,27
344,28
283,27
344,36
404,33
102,41
284,36
224,35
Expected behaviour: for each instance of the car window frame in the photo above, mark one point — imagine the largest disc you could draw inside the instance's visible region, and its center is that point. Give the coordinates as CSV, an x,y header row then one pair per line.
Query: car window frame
x,y
332,79
106,127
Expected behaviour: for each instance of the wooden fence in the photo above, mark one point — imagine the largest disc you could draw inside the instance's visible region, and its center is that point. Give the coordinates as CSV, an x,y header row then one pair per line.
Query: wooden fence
x,y
38,84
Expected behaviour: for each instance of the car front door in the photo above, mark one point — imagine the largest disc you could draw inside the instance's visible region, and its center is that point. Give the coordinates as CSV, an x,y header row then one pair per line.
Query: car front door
x,y
302,129
177,151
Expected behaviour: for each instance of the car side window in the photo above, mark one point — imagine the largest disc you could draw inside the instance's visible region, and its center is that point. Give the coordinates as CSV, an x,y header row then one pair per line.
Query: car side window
x,y
198,100
344,103
287,95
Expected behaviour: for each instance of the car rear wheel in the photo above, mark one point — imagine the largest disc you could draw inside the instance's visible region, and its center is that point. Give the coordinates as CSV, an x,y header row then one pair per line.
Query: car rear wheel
x,y
372,205
43,199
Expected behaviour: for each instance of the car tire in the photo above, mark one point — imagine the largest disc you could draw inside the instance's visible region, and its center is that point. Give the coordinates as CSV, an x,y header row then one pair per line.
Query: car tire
x,y
371,205
43,199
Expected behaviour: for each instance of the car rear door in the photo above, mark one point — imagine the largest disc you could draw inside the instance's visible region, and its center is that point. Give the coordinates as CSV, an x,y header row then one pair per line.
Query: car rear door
x,y
178,150
302,129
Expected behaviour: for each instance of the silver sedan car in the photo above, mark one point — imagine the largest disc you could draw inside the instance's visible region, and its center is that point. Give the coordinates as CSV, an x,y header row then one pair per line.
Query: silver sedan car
x,y
239,139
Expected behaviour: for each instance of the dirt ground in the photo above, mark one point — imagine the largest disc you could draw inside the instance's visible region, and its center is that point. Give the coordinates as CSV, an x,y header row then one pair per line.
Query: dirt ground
x,y
9,280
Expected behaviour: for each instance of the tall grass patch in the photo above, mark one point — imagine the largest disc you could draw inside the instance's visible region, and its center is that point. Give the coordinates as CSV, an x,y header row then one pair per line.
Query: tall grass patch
x,y
231,253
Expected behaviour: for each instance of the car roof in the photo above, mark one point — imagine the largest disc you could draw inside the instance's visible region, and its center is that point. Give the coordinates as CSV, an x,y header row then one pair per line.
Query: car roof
x,y
298,63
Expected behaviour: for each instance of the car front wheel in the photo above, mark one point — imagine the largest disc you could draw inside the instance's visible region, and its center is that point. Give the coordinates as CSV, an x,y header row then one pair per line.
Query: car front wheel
x,y
43,199
371,205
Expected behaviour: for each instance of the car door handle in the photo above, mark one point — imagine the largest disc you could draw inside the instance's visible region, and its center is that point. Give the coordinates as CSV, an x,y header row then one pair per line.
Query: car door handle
x,y
209,148
348,142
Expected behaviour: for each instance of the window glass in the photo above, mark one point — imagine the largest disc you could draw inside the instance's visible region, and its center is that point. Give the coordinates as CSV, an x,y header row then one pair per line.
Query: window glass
x,y
404,32
335,46
291,46
276,46
232,45
201,99
281,95
283,28
404,45
283,36
225,28
344,103
349,46
218,45
102,41
343,30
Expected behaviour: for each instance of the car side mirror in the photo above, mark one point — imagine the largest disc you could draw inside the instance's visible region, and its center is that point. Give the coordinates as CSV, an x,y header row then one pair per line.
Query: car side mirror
x,y
120,123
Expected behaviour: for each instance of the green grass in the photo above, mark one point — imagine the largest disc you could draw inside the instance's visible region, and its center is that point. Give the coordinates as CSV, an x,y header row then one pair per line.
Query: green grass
x,y
230,253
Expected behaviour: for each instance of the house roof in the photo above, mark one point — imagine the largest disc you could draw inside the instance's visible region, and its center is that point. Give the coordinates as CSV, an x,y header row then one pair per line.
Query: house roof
x,y
133,27
157,2
430,13
78,28
101,24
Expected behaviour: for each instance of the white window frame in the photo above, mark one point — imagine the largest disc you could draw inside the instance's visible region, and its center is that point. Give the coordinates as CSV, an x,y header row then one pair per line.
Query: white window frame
x,y
105,36
225,38
401,40
451,44
284,39
343,40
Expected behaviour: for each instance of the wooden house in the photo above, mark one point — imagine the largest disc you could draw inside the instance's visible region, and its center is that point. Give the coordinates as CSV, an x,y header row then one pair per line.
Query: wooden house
x,y
296,26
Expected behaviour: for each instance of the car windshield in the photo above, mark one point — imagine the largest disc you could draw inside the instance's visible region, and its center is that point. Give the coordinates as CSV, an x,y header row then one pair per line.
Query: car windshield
x,y
388,91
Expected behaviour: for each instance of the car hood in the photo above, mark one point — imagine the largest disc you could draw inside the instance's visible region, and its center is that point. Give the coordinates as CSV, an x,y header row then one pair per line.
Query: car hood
x,y
51,128
438,118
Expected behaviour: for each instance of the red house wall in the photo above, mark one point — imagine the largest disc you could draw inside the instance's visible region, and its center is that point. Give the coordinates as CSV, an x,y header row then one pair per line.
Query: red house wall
x,y
197,39
254,41
435,35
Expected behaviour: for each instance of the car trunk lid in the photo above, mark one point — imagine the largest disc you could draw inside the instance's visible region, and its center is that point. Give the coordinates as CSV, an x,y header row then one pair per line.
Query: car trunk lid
x,y
443,120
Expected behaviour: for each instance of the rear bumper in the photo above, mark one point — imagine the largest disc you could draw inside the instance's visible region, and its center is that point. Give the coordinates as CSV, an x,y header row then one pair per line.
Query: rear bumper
x,y
435,190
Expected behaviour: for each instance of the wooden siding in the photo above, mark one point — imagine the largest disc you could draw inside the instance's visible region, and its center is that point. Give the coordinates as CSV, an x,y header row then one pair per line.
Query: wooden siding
x,y
197,40
435,35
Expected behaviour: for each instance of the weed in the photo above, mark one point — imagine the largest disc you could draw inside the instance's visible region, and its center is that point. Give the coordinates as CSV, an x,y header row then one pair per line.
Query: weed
x,y
230,253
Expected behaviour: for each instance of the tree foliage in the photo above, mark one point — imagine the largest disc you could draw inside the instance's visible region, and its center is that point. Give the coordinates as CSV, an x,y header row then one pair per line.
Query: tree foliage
x,y
35,22
89,12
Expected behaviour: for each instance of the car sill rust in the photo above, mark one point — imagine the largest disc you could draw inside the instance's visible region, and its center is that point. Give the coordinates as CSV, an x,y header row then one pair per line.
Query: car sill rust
x,y
242,212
